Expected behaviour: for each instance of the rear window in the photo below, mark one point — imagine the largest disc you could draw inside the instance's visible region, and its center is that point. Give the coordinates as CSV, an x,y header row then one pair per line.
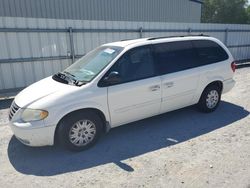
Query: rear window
x,y
209,52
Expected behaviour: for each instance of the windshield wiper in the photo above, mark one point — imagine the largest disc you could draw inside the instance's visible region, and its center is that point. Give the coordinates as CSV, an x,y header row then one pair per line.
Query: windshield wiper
x,y
63,78
80,83
75,81
69,73
60,78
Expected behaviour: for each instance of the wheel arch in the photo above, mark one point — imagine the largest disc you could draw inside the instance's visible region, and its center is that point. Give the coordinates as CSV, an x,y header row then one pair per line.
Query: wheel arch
x,y
202,104
218,83
106,125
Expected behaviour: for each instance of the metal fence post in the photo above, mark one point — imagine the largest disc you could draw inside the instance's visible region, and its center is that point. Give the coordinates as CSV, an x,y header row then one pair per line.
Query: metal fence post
x,y
226,36
71,42
141,31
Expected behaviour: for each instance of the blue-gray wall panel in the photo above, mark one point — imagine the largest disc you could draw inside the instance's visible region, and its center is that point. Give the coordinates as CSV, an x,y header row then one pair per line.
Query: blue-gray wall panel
x,y
17,49
114,10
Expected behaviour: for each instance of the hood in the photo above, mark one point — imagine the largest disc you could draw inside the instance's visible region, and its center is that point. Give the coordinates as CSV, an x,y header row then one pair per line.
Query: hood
x,y
40,90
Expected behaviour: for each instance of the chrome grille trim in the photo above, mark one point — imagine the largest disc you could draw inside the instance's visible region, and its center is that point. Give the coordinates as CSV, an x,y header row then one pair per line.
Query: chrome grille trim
x,y
13,109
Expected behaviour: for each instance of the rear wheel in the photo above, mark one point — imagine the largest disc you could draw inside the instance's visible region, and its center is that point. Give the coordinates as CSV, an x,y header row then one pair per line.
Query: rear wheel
x,y
210,99
80,130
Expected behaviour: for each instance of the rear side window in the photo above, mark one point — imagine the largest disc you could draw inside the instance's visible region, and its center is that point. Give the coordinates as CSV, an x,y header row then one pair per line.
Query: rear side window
x,y
175,56
209,52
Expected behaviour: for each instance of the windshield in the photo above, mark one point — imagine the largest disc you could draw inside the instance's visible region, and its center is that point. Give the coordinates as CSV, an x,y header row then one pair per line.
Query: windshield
x,y
90,65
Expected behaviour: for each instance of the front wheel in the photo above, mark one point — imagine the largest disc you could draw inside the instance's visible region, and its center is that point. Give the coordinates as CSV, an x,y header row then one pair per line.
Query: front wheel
x,y
80,130
210,99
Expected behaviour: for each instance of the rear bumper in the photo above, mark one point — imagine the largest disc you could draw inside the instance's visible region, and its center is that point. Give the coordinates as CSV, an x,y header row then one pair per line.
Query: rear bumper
x,y
228,85
38,136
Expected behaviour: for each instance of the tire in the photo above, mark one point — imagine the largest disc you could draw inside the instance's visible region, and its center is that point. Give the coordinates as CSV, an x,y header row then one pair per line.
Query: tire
x,y
210,99
80,130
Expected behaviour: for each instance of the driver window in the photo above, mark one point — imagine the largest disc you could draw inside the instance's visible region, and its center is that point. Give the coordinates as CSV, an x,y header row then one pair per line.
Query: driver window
x,y
135,64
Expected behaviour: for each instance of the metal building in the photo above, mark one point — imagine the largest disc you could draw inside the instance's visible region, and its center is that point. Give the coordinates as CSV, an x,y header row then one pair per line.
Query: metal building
x,y
41,37
112,10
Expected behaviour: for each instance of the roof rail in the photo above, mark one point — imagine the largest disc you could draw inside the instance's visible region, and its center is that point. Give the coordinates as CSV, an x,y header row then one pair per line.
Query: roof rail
x,y
126,39
155,38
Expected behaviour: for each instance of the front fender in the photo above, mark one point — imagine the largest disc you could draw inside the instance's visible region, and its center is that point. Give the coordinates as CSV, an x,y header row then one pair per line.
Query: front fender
x,y
56,115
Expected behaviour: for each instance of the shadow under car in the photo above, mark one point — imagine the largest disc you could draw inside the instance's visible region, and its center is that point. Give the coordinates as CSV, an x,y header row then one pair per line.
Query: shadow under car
x,y
124,142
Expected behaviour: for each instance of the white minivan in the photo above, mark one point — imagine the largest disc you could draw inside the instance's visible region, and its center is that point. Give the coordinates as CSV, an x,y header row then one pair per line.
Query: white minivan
x,y
119,83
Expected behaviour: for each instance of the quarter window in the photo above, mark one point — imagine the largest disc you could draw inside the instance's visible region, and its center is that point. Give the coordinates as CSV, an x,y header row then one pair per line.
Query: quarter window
x,y
209,52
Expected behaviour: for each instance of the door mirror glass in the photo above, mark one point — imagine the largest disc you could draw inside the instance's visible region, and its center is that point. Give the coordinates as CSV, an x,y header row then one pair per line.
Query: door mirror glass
x,y
113,78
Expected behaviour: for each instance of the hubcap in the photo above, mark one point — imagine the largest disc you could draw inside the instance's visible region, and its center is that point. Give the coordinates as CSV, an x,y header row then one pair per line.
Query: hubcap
x,y
82,132
212,99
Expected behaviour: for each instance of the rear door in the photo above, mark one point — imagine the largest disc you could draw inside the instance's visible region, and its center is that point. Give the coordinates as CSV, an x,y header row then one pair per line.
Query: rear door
x,y
138,95
176,62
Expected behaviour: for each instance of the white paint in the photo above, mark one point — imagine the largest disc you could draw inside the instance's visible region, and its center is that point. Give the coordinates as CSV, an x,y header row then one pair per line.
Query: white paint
x,y
120,104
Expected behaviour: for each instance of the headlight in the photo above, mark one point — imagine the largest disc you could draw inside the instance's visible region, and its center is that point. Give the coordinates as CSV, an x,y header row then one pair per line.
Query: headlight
x,y
34,115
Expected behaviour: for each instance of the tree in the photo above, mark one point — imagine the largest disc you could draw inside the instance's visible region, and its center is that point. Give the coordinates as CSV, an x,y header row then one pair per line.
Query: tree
x,y
248,14
225,11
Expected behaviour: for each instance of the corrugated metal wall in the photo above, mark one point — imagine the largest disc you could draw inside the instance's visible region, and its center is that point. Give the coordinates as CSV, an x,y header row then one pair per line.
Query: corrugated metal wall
x,y
35,47
114,10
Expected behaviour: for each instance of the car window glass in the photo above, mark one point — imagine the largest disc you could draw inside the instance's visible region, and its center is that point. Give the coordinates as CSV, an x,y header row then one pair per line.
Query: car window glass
x,y
135,64
90,65
209,52
175,56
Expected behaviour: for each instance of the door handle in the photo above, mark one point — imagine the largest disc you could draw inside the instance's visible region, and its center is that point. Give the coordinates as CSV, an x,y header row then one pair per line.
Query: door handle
x,y
169,84
155,87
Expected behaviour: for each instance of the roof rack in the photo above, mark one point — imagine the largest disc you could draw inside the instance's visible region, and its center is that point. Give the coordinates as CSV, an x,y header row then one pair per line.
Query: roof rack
x,y
155,38
126,39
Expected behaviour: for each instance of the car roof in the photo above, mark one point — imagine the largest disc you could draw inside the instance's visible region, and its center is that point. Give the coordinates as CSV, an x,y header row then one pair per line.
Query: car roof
x,y
125,43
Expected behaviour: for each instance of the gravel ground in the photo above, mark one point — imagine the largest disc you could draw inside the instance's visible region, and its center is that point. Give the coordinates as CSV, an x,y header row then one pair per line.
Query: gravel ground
x,y
184,148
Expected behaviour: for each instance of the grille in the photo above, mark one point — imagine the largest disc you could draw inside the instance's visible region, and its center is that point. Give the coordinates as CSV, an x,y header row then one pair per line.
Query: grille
x,y
13,109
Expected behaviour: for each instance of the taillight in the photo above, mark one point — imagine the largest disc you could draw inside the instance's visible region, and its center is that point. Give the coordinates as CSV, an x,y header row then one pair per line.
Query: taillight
x,y
233,66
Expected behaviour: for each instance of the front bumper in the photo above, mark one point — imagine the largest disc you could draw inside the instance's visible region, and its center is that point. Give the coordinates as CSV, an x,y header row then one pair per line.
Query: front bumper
x,y
34,134
228,85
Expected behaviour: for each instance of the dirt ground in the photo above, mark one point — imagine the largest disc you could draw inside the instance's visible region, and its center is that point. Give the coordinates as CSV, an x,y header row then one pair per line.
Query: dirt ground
x,y
184,148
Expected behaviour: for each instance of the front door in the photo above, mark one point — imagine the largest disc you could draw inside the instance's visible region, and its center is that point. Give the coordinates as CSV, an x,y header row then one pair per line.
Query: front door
x,y
138,95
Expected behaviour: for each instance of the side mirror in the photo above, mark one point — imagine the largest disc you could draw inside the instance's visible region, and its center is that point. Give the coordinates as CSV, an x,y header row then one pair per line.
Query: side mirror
x,y
113,78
